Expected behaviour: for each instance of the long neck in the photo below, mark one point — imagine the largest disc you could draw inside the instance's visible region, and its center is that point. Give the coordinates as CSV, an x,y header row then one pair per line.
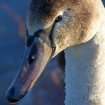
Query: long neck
x,y
85,72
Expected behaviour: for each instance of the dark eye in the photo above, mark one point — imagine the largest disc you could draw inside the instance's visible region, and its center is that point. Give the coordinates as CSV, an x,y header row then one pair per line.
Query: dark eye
x,y
59,18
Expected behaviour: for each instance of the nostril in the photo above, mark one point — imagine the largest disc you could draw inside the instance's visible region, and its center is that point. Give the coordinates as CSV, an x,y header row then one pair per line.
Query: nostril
x,y
32,54
32,59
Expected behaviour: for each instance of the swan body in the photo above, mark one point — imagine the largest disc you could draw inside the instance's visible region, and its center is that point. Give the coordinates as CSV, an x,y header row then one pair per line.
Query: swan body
x,y
76,26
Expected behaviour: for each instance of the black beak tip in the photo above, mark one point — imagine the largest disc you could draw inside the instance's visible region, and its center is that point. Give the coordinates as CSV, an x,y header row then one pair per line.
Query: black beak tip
x,y
10,96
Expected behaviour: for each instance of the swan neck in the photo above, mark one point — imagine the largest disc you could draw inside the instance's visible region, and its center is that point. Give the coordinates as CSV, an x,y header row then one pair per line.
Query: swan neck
x,y
85,73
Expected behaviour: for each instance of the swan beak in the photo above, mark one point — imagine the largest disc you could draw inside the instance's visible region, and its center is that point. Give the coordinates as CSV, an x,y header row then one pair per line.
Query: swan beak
x,y
35,59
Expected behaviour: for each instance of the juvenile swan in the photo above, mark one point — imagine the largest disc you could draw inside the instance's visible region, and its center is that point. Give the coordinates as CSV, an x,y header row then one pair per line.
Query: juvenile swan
x,y
76,26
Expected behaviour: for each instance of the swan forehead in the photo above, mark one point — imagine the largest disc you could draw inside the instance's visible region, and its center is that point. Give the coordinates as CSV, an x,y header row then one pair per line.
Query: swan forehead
x,y
42,13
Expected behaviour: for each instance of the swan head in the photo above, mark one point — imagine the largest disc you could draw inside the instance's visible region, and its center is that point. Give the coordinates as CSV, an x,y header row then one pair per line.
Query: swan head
x,y
52,26
77,23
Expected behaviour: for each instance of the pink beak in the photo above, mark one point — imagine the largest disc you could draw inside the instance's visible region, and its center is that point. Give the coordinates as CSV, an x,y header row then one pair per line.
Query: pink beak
x,y
35,59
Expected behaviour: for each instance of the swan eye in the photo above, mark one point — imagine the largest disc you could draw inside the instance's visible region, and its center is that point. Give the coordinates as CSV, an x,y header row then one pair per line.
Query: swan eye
x,y
59,18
